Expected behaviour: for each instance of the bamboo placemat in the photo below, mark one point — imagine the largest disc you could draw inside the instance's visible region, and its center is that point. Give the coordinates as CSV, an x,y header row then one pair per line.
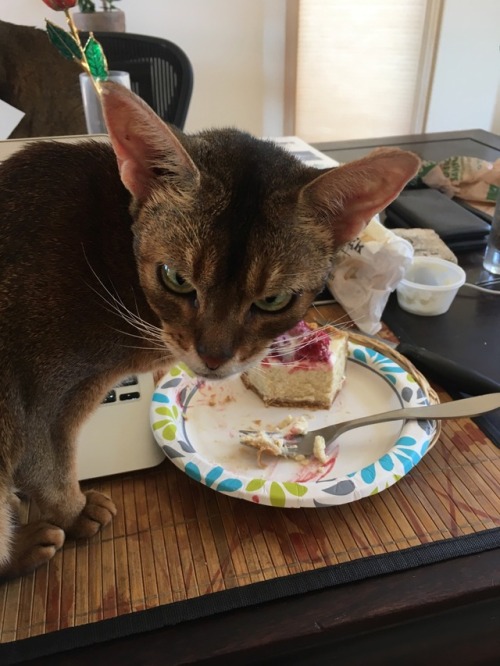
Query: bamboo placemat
x,y
175,542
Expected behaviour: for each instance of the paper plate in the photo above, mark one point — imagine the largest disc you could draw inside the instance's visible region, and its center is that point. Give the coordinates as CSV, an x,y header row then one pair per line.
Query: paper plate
x,y
196,424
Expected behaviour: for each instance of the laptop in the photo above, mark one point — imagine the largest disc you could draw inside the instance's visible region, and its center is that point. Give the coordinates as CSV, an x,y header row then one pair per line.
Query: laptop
x,y
117,437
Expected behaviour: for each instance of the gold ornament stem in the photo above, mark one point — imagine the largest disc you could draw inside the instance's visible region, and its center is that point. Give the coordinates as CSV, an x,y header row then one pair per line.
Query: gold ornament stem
x,y
74,31
83,61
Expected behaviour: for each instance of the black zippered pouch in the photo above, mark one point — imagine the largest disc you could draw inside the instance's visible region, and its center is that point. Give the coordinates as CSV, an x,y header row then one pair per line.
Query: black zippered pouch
x,y
427,208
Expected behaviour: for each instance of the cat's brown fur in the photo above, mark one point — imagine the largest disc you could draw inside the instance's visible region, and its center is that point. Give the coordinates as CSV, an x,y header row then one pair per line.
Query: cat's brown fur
x,y
36,80
82,301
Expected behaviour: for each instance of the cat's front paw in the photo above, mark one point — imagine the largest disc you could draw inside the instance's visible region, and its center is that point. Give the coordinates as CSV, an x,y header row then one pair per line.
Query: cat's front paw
x,y
33,545
98,511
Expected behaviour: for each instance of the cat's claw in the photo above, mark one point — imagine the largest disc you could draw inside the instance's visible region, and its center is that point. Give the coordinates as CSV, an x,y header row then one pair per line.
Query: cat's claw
x,y
97,512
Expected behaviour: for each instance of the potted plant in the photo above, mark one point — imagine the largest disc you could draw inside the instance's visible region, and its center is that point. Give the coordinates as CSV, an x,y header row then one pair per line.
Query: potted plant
x,y
107,19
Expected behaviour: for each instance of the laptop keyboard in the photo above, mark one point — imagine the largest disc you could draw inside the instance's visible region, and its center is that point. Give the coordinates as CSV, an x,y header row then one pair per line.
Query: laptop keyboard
x,y
127,389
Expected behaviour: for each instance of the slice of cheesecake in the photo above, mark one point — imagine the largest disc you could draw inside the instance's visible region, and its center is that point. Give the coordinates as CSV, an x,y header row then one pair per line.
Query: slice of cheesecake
x,y
305,367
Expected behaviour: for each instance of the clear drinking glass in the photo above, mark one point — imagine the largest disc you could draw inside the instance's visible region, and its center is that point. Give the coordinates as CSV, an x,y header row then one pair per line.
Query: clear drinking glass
x,y
491,259
91,103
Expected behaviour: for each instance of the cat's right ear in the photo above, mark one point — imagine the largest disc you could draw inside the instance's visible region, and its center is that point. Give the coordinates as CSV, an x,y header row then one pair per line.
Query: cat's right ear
x,y
348,196
143,144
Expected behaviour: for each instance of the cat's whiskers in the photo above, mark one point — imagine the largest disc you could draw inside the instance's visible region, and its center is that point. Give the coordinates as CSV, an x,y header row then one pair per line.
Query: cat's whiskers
x,y
343,322
302,341
145,349
158,347
157,331
149,331
116,305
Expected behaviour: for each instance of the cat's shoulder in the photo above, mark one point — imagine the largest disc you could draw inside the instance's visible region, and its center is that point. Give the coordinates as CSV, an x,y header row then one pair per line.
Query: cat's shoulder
x,y
42,155
64,148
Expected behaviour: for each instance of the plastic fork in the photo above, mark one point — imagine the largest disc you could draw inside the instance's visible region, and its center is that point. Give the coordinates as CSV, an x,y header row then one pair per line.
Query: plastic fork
x,y
293,445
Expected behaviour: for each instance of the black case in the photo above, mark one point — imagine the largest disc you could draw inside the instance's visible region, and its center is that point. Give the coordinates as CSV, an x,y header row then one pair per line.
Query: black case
x,y
427,208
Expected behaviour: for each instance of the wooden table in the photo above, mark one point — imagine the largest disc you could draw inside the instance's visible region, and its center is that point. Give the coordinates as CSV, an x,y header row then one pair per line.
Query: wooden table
x,y
439,613
442,613
434,146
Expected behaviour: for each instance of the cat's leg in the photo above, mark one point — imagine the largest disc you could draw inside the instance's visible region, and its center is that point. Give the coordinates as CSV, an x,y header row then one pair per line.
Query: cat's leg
x,y
63,507
23,548
53,483
80,514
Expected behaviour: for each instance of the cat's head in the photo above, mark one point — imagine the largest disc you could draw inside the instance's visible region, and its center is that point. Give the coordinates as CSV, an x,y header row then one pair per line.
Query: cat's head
x,y
234,237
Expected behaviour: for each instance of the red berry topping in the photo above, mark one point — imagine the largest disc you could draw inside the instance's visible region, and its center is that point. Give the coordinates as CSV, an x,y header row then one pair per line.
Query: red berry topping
x,y
301,343
316,347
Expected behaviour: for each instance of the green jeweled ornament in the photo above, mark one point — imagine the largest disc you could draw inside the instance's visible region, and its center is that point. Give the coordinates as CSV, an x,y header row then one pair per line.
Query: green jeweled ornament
x,y
96,60
90,57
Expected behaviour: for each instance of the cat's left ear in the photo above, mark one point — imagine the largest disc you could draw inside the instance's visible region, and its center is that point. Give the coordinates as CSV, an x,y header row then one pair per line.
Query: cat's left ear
x,y
143,143
350,195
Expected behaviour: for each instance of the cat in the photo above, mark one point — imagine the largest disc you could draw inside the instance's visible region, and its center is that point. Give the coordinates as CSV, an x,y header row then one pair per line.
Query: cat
x,y
126,257
30,67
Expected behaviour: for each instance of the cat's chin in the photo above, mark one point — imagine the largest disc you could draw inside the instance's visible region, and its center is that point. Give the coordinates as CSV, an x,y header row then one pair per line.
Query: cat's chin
x,y
232,367
219,374
229,369
215,376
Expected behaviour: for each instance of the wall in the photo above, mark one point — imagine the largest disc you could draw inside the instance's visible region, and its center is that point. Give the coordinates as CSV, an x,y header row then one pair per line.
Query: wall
x,y
465,91
236,48
237,51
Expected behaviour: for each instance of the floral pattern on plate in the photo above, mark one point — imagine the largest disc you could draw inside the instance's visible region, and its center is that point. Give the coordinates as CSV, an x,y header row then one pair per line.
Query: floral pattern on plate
x,y
196,424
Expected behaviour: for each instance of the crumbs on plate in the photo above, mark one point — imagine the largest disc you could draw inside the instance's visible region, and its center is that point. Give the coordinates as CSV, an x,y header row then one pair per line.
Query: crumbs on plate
x,y
214,400
273,441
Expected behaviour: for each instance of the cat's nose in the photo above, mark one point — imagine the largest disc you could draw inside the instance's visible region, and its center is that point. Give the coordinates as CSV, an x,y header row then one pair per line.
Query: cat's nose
x,y
211,360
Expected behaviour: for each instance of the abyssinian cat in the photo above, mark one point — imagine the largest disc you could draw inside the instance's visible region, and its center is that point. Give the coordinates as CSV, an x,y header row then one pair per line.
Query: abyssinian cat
x,y
29,66
122,259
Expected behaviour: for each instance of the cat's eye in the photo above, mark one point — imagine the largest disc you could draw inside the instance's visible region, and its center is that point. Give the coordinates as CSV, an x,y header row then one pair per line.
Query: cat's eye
x,y
274,303
174,281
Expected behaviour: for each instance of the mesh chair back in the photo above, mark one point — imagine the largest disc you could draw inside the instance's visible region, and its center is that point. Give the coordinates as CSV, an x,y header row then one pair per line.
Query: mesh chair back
x,y
160,71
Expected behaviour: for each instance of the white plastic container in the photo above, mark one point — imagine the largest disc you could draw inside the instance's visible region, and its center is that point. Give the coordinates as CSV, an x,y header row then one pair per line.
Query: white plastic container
x,y
429,286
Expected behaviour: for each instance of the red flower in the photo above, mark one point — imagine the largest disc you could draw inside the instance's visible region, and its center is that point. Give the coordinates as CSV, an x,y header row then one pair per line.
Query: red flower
x,y
60,5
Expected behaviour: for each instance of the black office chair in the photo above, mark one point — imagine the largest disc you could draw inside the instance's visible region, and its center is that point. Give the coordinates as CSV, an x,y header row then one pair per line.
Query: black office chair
x,y
160,71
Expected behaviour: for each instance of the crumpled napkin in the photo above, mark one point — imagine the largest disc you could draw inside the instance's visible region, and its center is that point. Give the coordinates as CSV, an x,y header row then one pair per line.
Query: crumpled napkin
x,y
475,181
366,271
